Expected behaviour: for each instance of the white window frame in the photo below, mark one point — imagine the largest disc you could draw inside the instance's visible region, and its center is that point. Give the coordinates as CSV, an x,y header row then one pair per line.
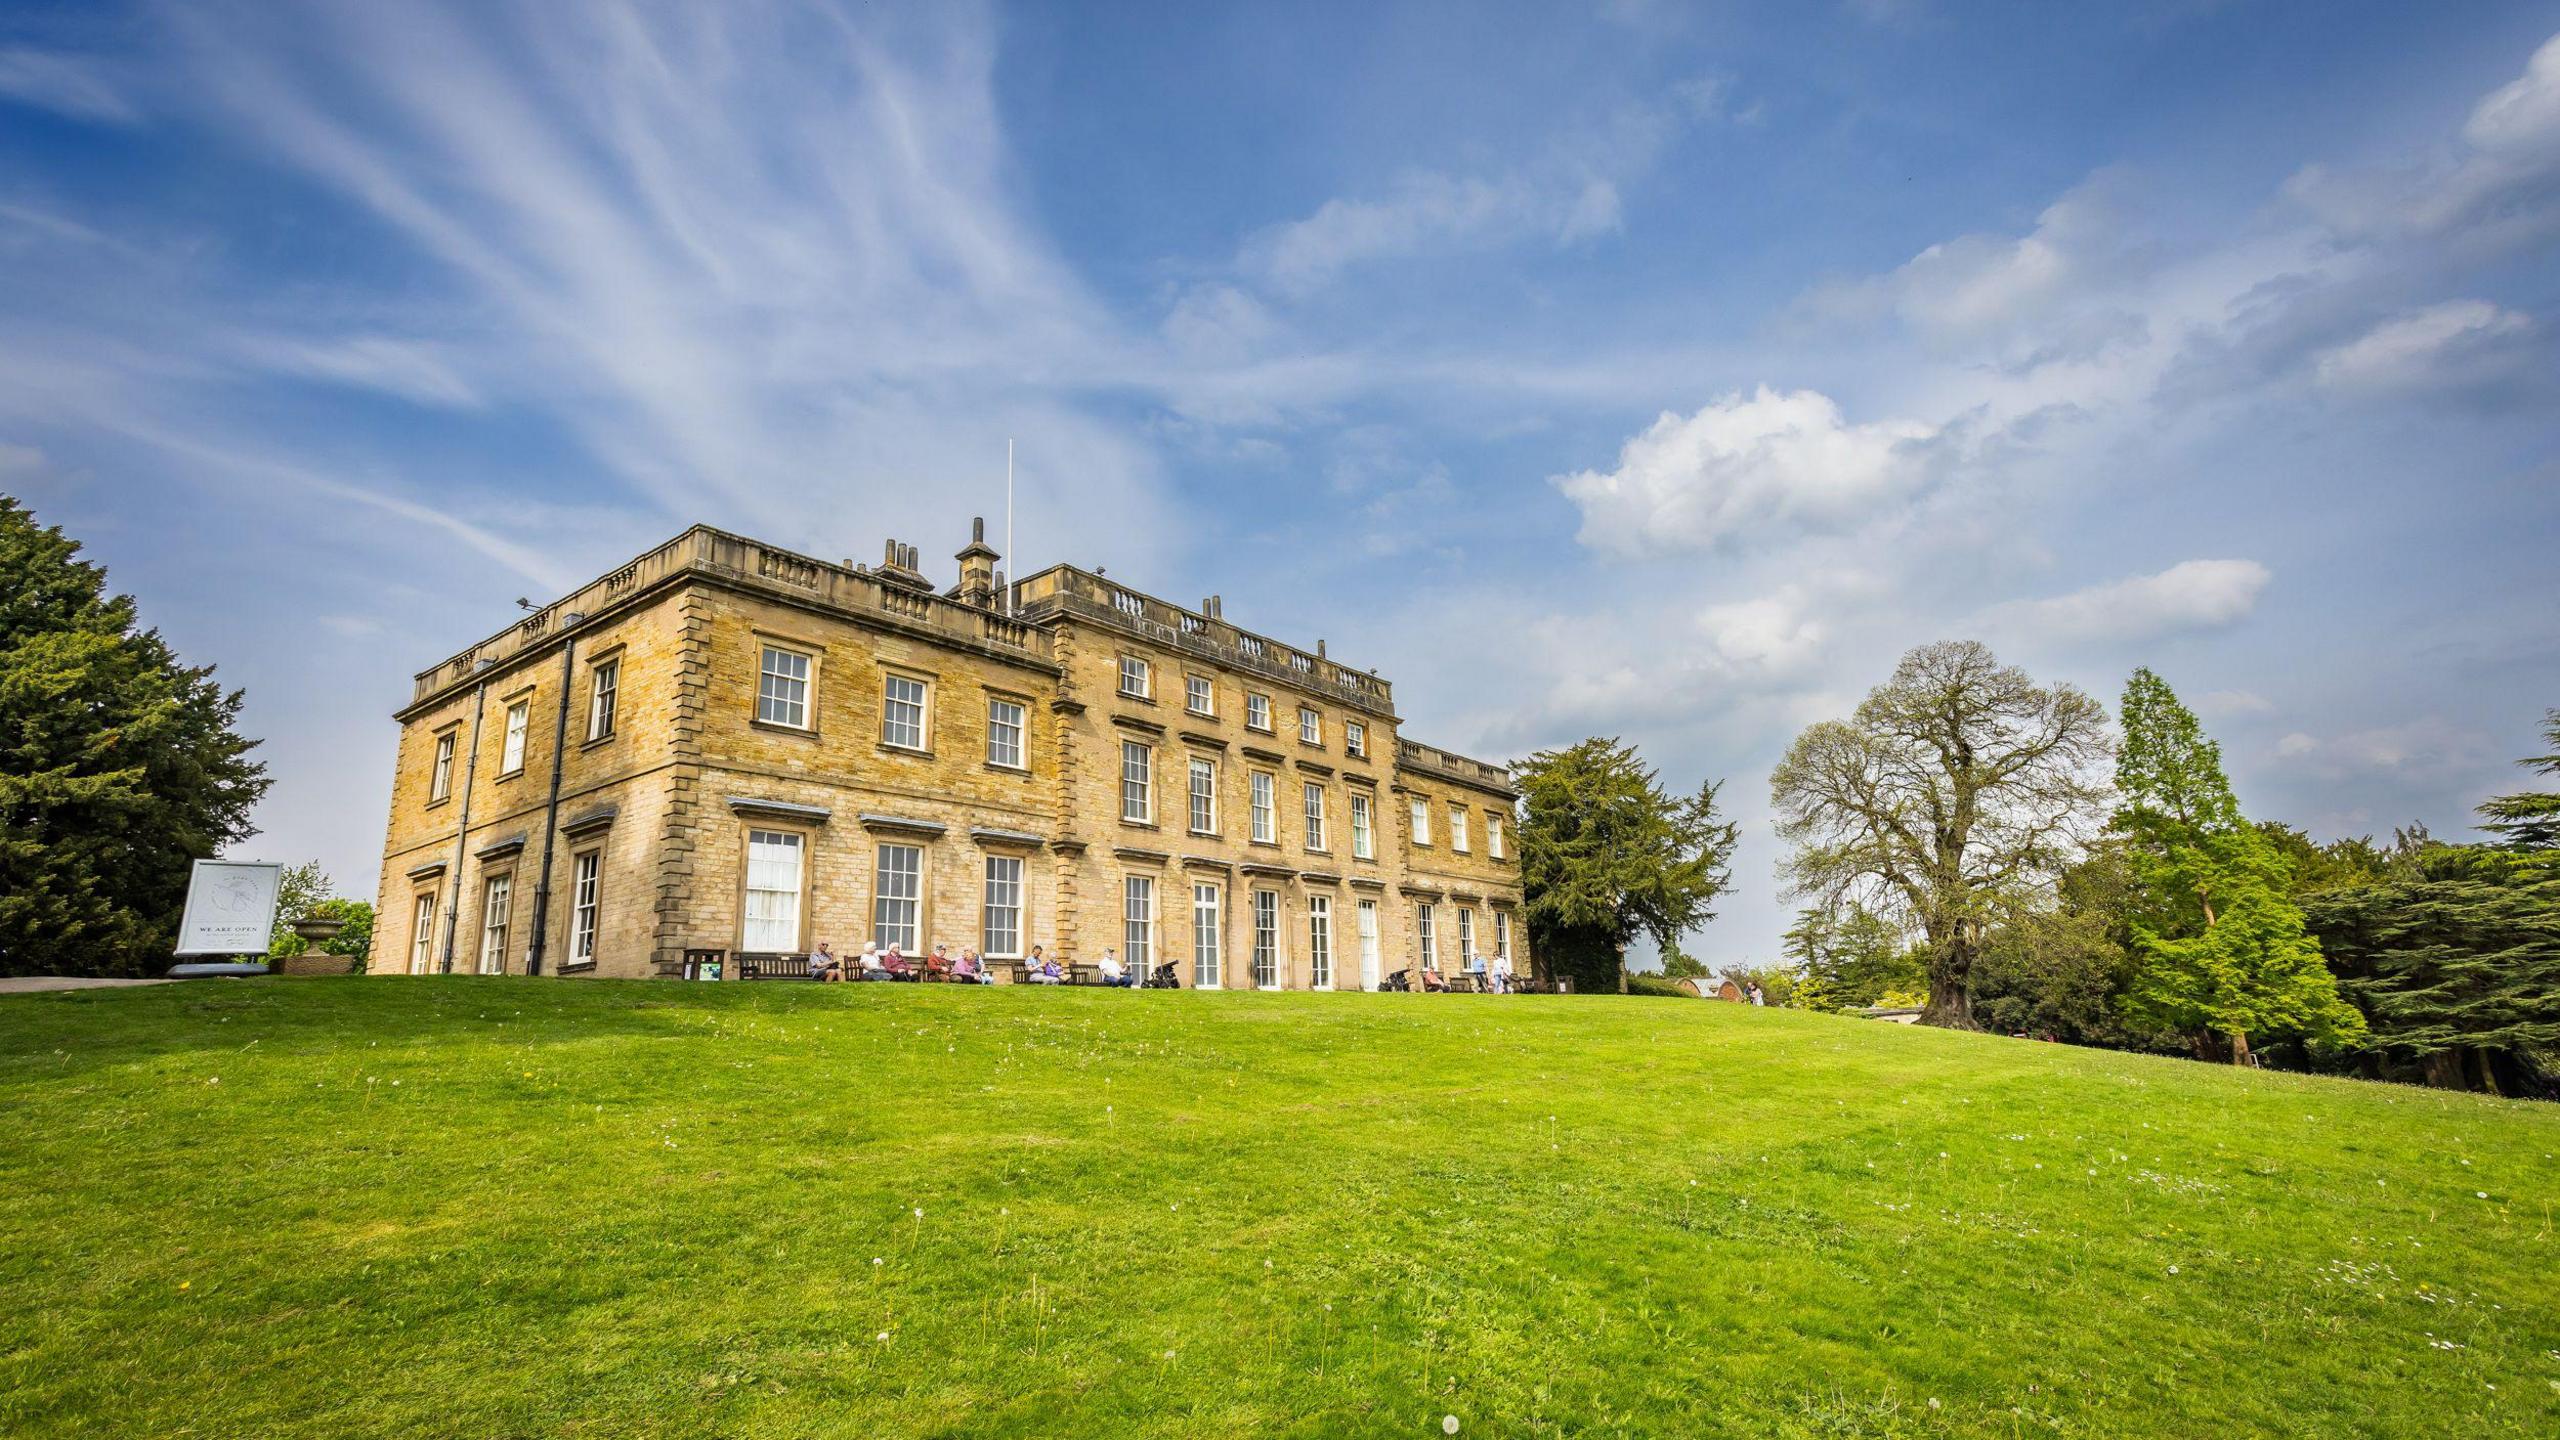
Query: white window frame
x,y
1137,782
1208,922
1502,936
1426,930
604,693
511,750
1320,942
585,905
422,937
1458,829
1370,962
1264,788
1310,725
1200,695
1204,795
776,930
1004,736
1316,837
1421,821
1257,712
897,897
1266,940
1137,677
497,906
1138,924
1000,910
1493,834
440,779
1355,738
1363,839
782,689
894,708
1466,937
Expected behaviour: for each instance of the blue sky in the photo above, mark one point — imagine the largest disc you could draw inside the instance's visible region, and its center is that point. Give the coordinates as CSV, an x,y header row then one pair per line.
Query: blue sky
x,y
1663,373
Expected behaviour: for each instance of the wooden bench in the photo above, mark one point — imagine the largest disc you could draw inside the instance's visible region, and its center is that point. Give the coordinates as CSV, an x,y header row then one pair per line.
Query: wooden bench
x,y
773,967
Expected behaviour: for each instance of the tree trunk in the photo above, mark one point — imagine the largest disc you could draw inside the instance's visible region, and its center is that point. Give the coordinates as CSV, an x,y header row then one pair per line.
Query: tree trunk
x,y
2487,1073
2239,1049
2444,1070
1950,973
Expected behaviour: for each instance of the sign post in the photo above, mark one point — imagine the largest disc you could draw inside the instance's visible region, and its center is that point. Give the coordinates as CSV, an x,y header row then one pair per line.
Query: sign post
x,y
231,908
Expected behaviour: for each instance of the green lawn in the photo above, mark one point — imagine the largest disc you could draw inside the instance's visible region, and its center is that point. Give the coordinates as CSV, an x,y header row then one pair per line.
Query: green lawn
x,y
480,1208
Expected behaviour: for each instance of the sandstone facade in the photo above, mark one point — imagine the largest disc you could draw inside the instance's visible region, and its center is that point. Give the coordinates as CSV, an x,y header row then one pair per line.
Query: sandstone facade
x,y
759,750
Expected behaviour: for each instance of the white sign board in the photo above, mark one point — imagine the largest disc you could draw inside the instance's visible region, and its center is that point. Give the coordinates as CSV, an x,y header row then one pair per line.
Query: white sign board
x,y
231,908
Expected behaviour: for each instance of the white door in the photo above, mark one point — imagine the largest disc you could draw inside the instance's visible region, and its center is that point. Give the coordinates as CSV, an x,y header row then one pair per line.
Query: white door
x,y
1368,944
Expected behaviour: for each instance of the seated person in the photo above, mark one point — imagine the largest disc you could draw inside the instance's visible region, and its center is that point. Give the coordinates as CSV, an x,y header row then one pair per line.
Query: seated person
x,y
1431,978
968,971
894,965
823,964
1041,970
1114,973
866,966
937,966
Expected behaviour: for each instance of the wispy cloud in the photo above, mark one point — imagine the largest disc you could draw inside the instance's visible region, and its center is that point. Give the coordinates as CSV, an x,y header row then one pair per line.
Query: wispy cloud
x,y
70,85
2189,596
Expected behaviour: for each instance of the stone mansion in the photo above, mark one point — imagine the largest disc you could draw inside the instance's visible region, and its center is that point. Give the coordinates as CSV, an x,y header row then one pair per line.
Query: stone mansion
x,y
727,749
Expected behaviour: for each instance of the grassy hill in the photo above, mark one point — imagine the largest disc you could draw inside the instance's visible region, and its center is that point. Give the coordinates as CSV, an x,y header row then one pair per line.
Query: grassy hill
x,y
478,1208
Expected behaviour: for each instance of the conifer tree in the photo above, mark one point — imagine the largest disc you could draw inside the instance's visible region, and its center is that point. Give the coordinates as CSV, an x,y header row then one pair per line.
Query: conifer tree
x,y
2222,947
119,767
1606,854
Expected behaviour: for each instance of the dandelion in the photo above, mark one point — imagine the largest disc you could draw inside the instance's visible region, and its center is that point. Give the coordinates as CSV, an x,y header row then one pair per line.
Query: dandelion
x,y
919,1212
1448,1424
183,1284
2173,1269
875,1259
1933,1402
884,1337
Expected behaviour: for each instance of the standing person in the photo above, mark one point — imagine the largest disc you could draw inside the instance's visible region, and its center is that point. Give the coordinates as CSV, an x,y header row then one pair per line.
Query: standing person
x,y
1757,998
823,964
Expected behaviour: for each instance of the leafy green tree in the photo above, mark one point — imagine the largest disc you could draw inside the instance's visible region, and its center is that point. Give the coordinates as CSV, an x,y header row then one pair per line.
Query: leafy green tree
x,y
119,767
1849,959
1777,983
1606,854
2223,951
302,892
2530,819
1956,785
1679,964
2457,967
2058,966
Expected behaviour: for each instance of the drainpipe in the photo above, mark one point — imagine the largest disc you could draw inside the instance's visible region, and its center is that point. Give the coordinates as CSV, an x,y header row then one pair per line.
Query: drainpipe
x,y
462,833
551,809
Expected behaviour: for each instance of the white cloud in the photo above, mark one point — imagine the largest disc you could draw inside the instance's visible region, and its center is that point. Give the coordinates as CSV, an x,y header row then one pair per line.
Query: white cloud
x,y
1770,634
2191,595
1427,213
2456,342
2233,703
414,370
2497,186
64,84
1744,463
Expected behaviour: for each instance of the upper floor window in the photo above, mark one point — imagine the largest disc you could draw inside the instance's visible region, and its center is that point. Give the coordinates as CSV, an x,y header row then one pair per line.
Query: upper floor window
x,y
1310,726
511,753
601,691
440,780
1257,713
1264,824
902,701
1355,737
1421,821
1204,797
1315,816
1457,827
1004,733
782,688
1137,781
1493,836
1200,695
1362,847
1137,677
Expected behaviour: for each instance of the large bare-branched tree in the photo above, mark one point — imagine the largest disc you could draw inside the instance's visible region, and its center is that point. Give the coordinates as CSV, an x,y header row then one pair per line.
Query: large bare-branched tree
x,y
1959,785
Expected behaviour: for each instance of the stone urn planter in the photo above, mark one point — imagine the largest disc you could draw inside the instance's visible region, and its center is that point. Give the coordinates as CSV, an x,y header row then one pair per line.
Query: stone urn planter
x,y
316,931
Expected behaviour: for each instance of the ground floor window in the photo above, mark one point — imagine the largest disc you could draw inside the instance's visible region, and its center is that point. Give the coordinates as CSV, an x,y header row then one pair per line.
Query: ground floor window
x,y
1206,929
1502,937
497,896
1320,941
1368,944
1002,930
1138,909
1430,943
1266,939
1467,956
898,897
773,891
422,934
583,904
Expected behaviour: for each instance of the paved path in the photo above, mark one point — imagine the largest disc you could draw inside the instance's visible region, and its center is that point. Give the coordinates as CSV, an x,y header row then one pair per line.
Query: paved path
x,y
31,984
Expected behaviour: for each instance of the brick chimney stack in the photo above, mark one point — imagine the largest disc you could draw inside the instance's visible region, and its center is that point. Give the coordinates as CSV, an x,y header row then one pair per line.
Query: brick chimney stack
x,y
898,567
978,567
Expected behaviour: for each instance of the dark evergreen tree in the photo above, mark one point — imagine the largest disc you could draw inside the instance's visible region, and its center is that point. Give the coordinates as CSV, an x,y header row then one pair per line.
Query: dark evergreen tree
x,y
2530,819
119,766
1606,854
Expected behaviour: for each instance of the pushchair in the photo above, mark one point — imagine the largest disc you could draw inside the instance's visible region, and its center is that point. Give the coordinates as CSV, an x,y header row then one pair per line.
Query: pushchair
x,y
1401,980
1162,977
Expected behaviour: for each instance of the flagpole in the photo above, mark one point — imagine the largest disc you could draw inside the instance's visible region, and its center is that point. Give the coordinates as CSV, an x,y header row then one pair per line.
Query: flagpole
x,y
1013,562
